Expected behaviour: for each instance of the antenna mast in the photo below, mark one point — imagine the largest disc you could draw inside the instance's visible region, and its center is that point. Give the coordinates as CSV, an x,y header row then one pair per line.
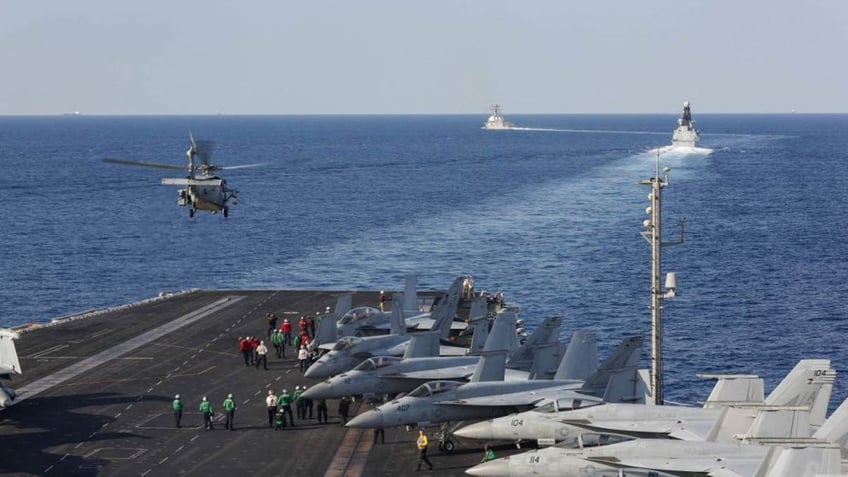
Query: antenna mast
x,y
653,234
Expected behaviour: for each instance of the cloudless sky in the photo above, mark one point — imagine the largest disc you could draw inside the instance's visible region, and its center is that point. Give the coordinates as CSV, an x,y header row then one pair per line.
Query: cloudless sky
x,y
433,56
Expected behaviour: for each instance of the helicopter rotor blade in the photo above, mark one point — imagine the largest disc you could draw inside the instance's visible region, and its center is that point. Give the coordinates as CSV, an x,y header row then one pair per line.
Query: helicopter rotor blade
x,y
241,166
127,162
204,150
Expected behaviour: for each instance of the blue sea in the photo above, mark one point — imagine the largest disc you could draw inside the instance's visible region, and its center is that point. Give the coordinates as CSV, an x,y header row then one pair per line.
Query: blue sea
x,y
551,217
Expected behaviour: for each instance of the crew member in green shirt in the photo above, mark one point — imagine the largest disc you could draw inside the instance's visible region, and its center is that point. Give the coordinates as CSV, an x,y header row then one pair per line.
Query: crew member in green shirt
x,y
178,410
207,411
229,408
284,401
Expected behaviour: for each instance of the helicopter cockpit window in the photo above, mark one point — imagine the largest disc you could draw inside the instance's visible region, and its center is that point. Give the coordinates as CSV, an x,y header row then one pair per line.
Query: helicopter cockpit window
x,y
357,314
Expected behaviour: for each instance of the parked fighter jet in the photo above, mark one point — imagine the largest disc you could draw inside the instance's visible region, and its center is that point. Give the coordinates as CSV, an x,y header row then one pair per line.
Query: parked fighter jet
x,y
388,375
9,365
352,350
367,320
808,384
442,401
776,445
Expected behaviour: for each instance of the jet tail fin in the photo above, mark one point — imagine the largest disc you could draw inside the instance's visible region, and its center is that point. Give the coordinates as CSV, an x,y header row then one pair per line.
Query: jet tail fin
x,y
800,461
445,310
546,360
581,356
327,331
478,325
809,384
423,345
835,429
628,386
626,356
734,388
524,356
397,322
492,367
502,335
410,295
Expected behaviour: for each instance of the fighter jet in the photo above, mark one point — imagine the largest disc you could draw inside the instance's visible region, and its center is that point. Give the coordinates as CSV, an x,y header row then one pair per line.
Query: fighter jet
x,y
776,445
809,384
9,365
390,375
349,351
489,396
367,320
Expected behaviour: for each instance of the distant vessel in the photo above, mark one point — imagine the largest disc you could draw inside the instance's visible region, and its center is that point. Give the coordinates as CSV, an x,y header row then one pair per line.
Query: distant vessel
x,y
496,121
685,135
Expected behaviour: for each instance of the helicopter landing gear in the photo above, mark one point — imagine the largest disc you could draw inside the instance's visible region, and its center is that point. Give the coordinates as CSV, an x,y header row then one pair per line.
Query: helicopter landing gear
x,y
191,212
226,212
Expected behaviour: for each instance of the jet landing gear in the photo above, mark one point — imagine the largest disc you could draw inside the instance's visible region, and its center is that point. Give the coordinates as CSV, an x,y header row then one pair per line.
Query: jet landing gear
x,y
191,212
445,435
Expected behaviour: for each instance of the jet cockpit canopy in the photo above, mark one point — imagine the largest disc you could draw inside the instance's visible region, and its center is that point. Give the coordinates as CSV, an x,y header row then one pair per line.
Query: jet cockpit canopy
x,y
377,362
434,387
346,342
358,314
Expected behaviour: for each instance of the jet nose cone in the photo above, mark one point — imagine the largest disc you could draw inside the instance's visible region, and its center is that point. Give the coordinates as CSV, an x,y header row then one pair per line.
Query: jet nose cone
x,y
318,391
317,370
367,420
493,468
479,430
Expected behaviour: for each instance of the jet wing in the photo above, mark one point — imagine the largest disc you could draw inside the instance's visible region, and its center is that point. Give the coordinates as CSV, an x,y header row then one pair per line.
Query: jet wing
x,y
519,398
682,430
456,372
696,465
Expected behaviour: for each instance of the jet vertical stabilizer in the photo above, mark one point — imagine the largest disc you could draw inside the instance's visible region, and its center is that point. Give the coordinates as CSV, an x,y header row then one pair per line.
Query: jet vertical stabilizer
x,y
810,383
734,388
327,331
788,422
410,296
398,325
503,330
546,360
581,356
445,310
492,367
626,356
835,429
628,386
478,325
423,345
548,333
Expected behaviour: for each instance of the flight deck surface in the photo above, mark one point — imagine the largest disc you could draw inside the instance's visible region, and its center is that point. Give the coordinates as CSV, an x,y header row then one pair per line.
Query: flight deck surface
x,y
95,397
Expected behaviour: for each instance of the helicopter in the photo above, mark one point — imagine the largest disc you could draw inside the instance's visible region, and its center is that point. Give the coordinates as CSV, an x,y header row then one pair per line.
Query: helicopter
x,y
203,189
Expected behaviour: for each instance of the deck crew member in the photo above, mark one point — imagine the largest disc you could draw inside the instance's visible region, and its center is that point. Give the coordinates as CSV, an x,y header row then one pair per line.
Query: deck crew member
x,y
244,347
284,402
178,410
230,409
271,404
303,357
277,341
262,355
344,409
488,454
322,411
422,444
299,403
286,327
272,322
207,411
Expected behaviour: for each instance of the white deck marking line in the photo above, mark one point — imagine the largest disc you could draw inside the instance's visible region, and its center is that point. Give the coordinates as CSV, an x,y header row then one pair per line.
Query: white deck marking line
x,y
64,456
246,401
159,382
195,437
128,407
267,385
257,393
48,469
92,435
149,389
178,449
47,351
146,472
185,362
118,415
78,445
117,351
277,378
163,461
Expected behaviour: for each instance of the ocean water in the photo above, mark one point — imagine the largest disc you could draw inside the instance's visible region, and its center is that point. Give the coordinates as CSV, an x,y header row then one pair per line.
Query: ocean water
x,y
551,217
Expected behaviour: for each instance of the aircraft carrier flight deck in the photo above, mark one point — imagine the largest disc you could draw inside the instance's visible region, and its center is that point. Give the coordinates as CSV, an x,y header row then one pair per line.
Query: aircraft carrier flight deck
x,y
96,392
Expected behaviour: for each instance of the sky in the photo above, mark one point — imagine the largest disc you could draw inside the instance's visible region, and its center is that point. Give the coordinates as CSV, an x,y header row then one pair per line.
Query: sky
x,y
426,57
